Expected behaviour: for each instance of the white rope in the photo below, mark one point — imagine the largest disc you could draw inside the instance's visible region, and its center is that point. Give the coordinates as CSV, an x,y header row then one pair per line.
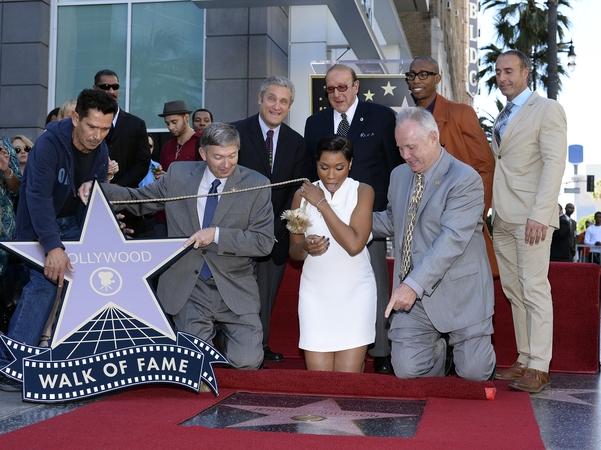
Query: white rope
x,y
186,197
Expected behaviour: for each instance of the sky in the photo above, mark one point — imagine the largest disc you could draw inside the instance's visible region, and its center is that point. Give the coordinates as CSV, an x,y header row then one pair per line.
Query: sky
x,y
580,91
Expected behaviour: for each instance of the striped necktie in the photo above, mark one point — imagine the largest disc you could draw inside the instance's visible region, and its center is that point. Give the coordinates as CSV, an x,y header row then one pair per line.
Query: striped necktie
x,y
502,122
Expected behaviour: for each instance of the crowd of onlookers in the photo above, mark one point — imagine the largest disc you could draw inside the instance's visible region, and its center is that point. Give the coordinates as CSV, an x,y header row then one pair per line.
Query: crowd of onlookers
x,y
13,273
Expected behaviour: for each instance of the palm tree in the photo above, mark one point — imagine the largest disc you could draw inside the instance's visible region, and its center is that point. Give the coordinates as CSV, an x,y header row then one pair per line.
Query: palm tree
x,y
523,25
487,120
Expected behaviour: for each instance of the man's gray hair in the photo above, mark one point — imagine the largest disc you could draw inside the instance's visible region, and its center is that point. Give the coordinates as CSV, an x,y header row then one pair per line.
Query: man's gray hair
x,y
420,116
220,134
278,80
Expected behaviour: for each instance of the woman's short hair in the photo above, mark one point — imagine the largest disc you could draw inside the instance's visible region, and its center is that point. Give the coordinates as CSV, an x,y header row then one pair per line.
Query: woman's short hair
x,y
335,143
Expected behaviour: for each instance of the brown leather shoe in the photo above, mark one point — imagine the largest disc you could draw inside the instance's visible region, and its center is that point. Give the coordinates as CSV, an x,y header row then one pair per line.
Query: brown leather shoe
x,y
513,373
533,381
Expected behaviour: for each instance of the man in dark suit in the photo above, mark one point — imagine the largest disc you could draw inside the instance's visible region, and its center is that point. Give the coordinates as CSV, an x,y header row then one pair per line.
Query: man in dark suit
x,y
573,225
370,127
128,145
275,150
562,240
213,283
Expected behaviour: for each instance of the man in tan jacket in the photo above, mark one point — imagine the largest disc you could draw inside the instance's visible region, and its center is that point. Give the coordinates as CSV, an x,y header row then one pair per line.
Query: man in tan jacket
x,y
530,144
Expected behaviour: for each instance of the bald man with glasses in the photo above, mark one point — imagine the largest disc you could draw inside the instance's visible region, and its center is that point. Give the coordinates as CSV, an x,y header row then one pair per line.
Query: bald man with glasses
x,y
370,127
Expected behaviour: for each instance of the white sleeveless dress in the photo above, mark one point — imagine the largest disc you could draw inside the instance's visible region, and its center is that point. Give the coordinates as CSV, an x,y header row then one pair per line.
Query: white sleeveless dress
x,y
337,298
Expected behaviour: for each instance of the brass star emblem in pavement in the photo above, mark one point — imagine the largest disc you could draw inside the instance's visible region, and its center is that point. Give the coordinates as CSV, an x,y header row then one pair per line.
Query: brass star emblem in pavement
x,y
388,89
321,415
369,95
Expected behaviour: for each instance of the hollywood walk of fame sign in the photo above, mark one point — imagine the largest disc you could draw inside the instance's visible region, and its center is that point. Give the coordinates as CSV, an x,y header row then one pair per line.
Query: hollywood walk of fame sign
x,y
111,331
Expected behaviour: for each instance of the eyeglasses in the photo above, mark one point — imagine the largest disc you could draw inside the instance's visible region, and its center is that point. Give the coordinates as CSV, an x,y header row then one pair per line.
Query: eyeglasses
x,y
106,87
421,75
341,88
24,149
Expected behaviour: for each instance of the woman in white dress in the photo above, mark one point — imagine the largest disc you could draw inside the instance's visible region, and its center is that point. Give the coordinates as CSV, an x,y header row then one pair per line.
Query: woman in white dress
x,y
337,298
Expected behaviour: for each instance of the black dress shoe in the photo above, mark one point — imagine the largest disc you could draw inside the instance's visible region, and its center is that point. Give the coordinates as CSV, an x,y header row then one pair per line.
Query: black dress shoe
x,y
382,364
271,356
263,367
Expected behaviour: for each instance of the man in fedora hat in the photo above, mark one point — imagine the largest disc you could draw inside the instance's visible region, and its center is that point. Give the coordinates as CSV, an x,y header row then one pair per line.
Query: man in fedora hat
x,y
181,147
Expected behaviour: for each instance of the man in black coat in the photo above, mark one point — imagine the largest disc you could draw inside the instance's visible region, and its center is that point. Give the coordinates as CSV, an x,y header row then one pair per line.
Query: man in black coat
x,y
370,127
128,145
276,151
562,240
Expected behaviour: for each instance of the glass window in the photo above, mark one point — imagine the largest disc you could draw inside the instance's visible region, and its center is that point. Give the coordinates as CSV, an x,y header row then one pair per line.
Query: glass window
x,y
90,38
166,58
167,53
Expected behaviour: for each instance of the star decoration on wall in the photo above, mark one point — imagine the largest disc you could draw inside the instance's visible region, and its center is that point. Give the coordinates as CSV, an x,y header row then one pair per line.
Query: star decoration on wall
x,y
388,89
369,95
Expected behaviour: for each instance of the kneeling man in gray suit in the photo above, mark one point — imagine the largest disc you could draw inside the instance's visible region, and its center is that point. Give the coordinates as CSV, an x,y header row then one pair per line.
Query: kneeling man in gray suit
x,y
443,282
214,282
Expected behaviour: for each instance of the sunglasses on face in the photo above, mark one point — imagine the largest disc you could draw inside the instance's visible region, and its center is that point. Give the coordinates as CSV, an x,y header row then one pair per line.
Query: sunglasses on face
x,y
106,86
22,149
341,88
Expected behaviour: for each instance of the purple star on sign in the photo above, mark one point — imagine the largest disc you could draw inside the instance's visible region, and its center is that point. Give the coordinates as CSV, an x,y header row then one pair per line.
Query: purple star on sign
x,y
111,272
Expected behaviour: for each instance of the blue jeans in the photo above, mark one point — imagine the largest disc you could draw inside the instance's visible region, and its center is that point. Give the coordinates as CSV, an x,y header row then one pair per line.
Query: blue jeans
x,y
37,300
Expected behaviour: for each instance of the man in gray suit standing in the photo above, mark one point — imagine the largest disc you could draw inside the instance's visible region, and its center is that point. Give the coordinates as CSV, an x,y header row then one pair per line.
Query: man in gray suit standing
x,y
214,282
443,282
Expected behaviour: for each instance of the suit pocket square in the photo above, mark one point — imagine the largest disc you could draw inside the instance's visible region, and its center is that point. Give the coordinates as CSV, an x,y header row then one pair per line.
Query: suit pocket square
x,y
367,135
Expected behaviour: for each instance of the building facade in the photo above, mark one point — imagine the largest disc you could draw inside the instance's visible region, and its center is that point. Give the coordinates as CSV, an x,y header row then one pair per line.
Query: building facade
x,y
211,53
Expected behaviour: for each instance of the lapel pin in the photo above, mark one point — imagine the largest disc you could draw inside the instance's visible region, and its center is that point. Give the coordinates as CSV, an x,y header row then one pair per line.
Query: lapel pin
x,y
361,119
437,182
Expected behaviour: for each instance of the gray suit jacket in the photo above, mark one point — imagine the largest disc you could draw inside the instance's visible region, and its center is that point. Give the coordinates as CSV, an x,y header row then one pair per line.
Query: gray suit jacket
x,y
448,251
245,224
